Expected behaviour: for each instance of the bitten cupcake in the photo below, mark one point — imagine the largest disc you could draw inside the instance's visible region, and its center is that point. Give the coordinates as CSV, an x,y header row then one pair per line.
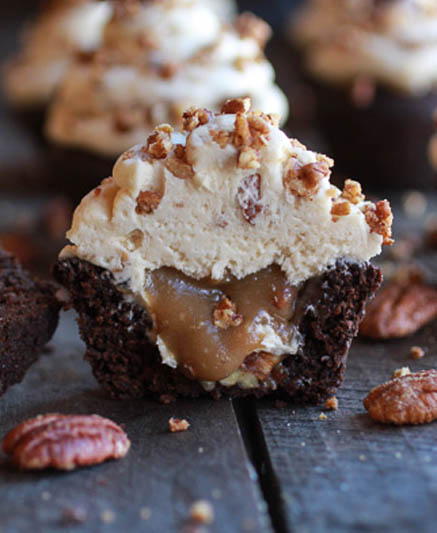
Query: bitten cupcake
x,y
63,30
157,60
373,66
219,260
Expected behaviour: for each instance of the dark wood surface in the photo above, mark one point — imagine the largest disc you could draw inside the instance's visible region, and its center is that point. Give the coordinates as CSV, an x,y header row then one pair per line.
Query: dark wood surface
x,y
263,468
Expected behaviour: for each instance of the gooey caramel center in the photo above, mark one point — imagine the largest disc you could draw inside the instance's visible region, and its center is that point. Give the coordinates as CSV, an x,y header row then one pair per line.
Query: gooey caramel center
x,y
183,310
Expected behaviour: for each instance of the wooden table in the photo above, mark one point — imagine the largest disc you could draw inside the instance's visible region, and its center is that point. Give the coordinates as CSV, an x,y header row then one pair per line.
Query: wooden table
x,y
263,468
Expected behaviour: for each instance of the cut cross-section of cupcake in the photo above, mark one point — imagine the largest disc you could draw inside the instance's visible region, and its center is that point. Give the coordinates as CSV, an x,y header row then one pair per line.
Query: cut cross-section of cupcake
x,y
220,259
28,318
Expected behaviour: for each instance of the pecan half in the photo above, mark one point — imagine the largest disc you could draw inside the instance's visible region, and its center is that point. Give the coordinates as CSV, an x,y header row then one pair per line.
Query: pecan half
x,y
249,197
65,442
410,399
398,310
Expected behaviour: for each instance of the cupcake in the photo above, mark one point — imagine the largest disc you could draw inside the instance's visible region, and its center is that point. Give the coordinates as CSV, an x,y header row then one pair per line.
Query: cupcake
x,y
28,318
156,61
219,260
63,30
373,67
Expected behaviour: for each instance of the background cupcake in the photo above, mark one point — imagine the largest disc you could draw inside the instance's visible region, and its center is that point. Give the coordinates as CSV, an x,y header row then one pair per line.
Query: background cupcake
x,y
63,30
156,61
373,67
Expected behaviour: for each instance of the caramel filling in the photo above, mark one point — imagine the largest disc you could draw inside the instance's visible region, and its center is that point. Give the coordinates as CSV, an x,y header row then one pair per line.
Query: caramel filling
x,y
210,327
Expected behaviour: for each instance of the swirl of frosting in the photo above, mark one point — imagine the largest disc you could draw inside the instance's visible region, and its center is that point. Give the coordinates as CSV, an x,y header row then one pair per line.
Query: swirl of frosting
x,y
63,30
392,42
157,60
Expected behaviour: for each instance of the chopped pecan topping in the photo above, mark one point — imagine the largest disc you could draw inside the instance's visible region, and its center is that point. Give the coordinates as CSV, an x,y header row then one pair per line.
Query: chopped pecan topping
x,y
159,142
65,442
242,132
260,364
352,192
236,105
193,118
248,158
380,218
249,197
225,314
178,424
252,27
305,181
123,8
147,202
340,209
179,168
399,309
222,138
411,399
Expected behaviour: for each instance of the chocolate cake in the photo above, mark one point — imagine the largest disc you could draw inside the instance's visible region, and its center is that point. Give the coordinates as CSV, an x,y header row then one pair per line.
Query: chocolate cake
x,y
221,260
28,318
371,65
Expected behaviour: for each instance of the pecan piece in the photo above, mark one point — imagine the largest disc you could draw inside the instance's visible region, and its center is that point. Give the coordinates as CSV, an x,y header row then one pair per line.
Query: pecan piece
x,y
260,364
379,218
398,310
249,196
304,181
147,202
225,314
410,399
65,442
178,424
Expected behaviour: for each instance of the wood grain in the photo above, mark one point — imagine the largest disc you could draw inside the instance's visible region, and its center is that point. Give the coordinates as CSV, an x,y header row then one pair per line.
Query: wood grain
x,y
163,472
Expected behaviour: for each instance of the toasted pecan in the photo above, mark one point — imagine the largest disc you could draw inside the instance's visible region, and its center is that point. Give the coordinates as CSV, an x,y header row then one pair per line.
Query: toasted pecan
x,y
410,399
65,441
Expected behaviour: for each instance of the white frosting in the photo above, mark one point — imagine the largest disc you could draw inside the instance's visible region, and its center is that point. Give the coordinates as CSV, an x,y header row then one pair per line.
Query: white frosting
x,y
393,43
49,47
213,63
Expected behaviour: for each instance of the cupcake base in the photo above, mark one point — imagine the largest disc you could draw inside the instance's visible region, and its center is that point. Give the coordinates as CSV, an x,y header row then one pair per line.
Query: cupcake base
x,y
127,365
383,144
28,318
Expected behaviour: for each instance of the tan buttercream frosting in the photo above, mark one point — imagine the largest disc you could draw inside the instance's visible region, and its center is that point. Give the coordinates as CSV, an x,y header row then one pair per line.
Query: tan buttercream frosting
x,y
229,194
63,30
392,42
157,60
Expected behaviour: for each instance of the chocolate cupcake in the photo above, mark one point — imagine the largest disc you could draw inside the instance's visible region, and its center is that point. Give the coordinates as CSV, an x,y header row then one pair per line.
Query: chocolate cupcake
x,y
157,60
219,260
28,318
63,30
372,65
